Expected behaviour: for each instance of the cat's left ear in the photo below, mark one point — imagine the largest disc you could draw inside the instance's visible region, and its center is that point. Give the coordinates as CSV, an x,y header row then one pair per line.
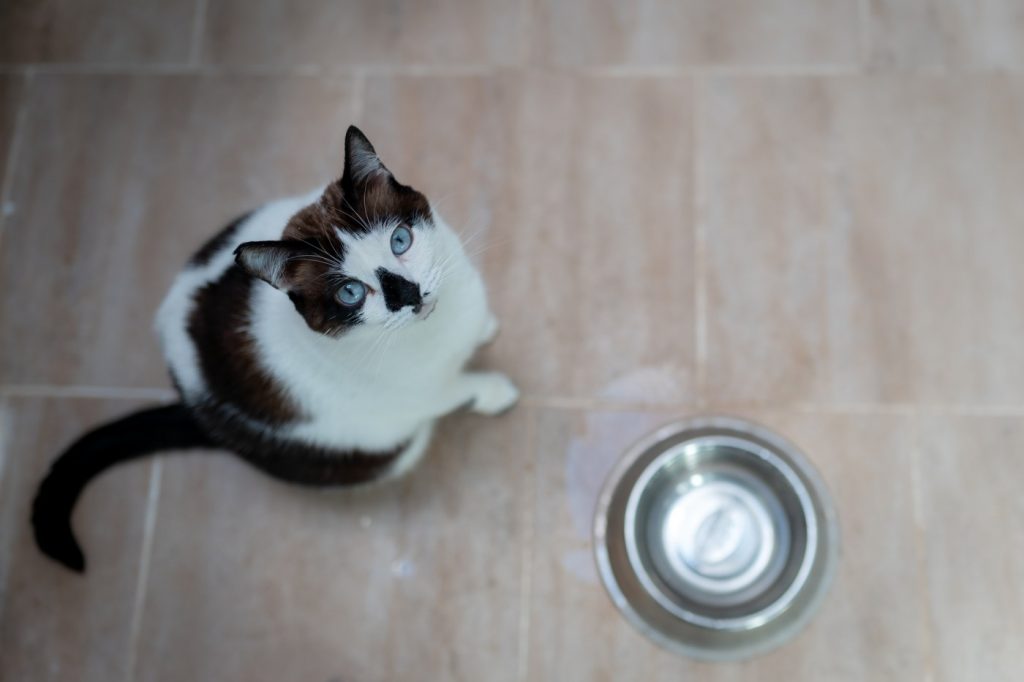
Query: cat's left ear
x,y
362,165
273,262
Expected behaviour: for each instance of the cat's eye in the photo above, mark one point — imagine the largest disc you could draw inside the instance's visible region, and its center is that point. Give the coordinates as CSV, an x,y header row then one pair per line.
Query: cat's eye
x,y
351,293
401,240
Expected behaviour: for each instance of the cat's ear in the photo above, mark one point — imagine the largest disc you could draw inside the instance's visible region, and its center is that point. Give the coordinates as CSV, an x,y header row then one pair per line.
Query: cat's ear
x,y
269,261
362,165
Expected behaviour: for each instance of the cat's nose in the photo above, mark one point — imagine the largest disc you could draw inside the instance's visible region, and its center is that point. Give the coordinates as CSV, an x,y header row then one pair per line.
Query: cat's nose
x,y
399,292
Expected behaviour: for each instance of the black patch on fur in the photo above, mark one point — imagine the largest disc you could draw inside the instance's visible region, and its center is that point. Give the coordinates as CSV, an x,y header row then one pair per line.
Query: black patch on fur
x,y
398,291
218,242
177,427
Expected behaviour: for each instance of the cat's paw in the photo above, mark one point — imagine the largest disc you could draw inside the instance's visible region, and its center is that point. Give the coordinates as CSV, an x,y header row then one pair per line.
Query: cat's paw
x,y
495,394
490,330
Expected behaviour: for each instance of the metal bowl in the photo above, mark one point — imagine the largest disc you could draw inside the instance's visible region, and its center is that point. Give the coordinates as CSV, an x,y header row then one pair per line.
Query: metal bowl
x,y
716,538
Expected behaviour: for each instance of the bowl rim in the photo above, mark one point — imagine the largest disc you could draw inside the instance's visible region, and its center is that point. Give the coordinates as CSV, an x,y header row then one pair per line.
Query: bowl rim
x,y
772,458
813,592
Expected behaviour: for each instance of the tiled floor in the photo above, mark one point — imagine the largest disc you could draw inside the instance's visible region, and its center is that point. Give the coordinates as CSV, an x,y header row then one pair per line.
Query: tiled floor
x,y
805,213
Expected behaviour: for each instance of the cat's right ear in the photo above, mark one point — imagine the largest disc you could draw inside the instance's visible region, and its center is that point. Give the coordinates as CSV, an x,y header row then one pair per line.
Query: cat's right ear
x,y
362,165
269,261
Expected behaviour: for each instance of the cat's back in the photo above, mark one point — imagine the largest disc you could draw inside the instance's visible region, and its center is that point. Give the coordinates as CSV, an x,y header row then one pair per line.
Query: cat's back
x,y
208,278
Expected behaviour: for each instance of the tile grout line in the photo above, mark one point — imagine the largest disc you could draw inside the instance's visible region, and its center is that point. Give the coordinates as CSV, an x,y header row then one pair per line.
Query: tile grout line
x,y
296,70
6,549
17,135
740,70
192,67
529,18
573,403
474,69
920,547
699,245
73,69
526,558
198,29
864,34
77,391
149,528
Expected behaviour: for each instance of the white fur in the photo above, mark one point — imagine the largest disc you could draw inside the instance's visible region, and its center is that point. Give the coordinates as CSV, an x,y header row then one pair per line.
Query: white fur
x,y
383,382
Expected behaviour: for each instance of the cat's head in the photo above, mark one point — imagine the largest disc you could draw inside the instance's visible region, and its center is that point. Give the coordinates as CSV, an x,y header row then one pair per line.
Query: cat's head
x,y
366,252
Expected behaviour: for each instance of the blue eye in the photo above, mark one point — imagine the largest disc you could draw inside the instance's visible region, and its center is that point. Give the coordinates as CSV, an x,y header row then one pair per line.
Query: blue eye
x,y
351,293
401,240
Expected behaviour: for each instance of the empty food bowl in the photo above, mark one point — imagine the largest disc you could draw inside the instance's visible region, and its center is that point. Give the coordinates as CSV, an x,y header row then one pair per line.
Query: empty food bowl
x,y
716,538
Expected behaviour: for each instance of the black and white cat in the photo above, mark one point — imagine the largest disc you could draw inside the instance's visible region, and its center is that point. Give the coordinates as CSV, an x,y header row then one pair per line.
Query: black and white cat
x,y
318,337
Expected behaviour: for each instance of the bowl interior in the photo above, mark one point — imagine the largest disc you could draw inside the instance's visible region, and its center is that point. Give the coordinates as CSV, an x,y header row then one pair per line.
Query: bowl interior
x,y
717,530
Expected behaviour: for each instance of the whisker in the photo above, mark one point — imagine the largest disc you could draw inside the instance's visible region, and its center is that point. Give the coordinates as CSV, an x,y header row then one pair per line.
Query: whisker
x,y
363,202
338,275
352,215
335,248
313,259
380,360
321,252
464,238
487,247
371,347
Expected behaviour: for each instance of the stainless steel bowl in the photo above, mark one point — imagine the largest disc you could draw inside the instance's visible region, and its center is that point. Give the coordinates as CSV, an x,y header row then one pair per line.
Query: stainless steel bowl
x,y
716,538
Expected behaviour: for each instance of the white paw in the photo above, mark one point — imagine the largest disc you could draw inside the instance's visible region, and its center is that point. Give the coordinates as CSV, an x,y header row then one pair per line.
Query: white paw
x,y
495,394
490,330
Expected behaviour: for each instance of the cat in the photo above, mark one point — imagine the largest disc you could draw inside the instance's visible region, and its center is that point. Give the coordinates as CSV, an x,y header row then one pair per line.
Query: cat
x,y
318,338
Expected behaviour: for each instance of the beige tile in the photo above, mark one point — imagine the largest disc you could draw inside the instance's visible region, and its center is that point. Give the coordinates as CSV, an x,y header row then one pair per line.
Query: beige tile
x,y
593,274
946,34
122,179
573,195
863,239
96,31
54,624
11,91
696,32
252,579
871,625
762,197
574,632
365,32
970,469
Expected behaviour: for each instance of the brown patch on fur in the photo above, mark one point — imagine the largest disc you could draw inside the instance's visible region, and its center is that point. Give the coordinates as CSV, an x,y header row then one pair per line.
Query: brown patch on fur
x,y
319,467
292,461
358,208
219,327
244,405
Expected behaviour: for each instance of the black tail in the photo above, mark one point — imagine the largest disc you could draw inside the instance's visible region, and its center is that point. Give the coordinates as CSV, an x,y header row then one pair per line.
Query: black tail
x,y
142,433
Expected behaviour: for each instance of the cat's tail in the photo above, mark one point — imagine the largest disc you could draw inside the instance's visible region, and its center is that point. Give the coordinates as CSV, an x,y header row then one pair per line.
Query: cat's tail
x,y
170,427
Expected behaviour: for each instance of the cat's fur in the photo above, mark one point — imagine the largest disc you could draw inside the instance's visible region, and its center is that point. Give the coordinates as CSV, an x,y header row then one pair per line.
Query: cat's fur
x,y
272,366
